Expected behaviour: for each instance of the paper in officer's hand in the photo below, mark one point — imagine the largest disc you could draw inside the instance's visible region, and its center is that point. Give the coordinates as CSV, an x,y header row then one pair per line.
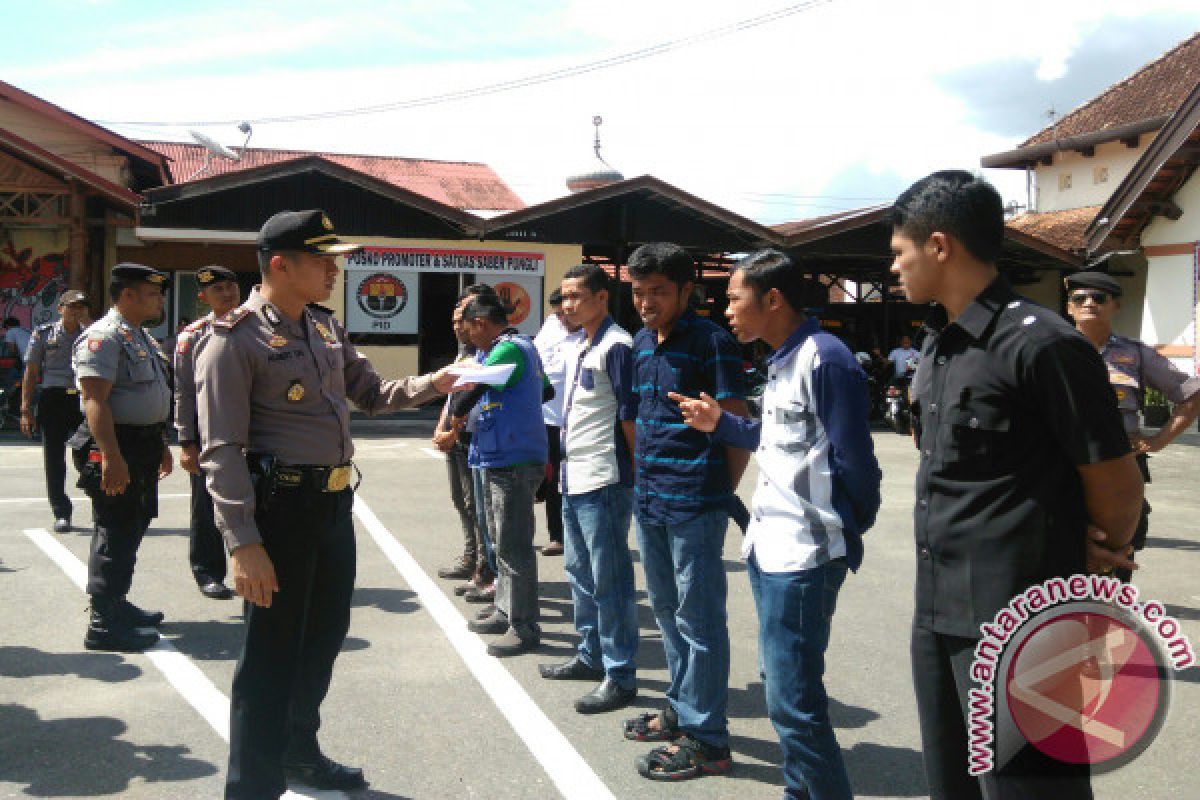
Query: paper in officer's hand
x,y
493,376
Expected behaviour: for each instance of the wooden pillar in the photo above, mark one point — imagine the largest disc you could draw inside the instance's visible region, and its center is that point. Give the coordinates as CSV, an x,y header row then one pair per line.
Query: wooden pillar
x,y
77,277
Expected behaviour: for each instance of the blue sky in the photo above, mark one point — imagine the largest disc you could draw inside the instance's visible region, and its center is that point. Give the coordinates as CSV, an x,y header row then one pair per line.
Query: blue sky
x,y
839,106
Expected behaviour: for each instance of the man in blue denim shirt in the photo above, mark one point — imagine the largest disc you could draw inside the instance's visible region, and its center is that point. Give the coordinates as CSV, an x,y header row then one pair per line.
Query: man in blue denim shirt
x,y
818,492
683,499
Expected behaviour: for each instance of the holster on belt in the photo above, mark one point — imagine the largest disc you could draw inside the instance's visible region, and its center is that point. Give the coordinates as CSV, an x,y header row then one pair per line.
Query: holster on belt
x,y
85,455
262,475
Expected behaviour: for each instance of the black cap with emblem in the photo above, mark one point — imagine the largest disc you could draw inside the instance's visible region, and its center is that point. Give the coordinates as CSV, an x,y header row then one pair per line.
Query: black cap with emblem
x,y
207,276
306,231
1091,279
137,272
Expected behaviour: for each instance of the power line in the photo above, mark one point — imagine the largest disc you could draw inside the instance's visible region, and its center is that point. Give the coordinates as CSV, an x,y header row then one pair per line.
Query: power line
x,y
511,85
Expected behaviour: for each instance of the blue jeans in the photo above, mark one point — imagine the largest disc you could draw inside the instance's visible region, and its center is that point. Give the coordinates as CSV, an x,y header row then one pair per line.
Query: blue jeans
x,y
685,578
600,570
795,610
481,518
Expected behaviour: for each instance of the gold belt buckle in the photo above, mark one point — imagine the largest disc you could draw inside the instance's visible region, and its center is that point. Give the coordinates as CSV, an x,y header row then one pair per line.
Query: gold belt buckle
x,y
72,391
339,478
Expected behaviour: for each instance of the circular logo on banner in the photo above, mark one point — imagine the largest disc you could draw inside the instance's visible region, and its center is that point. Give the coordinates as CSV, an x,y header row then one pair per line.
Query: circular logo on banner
x,y
382,295
1086,687
517,299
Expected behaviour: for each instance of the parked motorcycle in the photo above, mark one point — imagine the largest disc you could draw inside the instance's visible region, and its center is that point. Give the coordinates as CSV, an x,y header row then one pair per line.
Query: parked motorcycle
x,y
896,409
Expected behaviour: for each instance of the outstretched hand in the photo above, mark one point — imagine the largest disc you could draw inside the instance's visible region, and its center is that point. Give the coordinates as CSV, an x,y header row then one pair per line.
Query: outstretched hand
x,y
701,413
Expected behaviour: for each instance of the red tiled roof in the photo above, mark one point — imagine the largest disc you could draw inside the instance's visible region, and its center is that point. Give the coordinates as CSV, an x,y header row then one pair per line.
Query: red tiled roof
x,y
1063,229
1155,90
464,185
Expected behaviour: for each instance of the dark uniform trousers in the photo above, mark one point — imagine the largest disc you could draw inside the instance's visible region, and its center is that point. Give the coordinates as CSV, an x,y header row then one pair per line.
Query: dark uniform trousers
x,y
287,660
58,416
942,679
206,550
122,520
554,523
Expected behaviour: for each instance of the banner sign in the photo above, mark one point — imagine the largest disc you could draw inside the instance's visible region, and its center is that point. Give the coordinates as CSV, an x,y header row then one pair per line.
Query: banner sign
x,y
427,259
382,302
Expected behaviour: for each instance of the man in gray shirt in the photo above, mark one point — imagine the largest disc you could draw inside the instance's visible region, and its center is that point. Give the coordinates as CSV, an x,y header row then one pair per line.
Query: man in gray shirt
x,y
48,364
272,382
122,375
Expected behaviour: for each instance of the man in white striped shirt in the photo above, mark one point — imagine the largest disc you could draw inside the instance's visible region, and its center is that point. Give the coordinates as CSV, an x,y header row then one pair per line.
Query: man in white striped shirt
x,y
818,492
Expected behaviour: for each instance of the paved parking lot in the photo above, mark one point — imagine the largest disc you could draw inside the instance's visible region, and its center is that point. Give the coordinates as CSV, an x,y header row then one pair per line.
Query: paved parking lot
x,y
416,701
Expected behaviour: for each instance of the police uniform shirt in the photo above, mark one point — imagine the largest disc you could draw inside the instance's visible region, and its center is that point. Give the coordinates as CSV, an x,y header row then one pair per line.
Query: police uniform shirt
x,y
132,360
50,350
1132,366
187,344
1009,401
267,384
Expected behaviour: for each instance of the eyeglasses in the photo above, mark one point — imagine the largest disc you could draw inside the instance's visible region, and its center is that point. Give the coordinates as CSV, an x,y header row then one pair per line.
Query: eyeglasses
x,y
1079,298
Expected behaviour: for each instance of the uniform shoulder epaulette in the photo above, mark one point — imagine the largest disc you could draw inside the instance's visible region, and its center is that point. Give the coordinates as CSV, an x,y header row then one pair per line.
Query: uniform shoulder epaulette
x,y
321,308
231,319
198,325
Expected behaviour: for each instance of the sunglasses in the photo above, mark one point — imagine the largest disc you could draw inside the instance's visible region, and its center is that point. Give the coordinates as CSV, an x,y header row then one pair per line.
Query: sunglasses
x,y
1079,298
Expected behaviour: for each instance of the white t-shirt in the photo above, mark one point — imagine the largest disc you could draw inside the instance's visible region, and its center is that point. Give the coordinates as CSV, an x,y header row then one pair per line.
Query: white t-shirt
x,y
19,339
553,343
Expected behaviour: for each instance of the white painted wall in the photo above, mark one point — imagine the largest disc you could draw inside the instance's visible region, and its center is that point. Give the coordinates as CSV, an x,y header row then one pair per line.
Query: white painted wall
x,y
1084,191
1170,310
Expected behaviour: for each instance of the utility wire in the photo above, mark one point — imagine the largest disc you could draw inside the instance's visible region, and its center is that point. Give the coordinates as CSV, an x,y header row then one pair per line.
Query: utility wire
x,y
510,85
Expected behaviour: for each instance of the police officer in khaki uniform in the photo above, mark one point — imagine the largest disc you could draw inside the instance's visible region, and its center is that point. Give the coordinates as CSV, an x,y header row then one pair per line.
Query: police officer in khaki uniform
x,y
272,381
123,381
1093,300
48,364
218,289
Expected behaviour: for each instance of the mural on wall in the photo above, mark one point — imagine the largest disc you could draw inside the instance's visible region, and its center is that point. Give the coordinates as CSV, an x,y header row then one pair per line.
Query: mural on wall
x,y
29,284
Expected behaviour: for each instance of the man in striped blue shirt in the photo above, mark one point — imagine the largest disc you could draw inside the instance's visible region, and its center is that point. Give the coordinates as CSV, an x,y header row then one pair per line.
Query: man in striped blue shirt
x,y
683,499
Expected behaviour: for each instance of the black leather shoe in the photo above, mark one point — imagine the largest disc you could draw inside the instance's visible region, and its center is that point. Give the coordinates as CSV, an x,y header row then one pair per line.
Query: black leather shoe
x,y
608,696
109,629
321,772
576,669
459,570
140,618
216,590
496,623
512,644
62,524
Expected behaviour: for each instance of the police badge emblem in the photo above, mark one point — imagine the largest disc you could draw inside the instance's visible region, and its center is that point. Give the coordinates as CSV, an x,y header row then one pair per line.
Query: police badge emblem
x,y
295,392
277,341
325,334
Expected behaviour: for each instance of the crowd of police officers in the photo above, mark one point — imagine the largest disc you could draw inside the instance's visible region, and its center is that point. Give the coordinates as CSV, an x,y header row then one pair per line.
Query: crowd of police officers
x,y
260,391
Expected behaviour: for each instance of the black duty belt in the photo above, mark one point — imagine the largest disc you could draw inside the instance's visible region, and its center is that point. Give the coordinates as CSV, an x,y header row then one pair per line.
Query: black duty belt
x,y
143,431
326,479
66,390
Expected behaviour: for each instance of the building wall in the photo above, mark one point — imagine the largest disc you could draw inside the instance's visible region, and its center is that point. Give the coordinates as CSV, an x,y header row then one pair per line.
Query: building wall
x,y
1086,188
66,142
1170,311
397,361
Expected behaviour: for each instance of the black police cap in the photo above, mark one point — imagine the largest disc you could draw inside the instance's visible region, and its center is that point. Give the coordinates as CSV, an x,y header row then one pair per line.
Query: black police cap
x,y
207,276
139,272
1091,279
307,231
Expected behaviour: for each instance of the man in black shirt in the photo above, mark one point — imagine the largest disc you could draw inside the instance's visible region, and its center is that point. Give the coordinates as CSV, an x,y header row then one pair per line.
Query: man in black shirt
x,y
1025,470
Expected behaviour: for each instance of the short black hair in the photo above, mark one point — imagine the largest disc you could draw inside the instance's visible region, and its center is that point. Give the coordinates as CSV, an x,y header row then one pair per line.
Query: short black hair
x,y
486,306
476,289
12,322
594,278
765,270
957,203
555,299
115,287
663,258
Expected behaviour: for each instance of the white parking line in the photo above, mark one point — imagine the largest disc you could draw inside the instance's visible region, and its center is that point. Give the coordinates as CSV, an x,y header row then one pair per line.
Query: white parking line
x,y
178,669
429,451
572,775
82,498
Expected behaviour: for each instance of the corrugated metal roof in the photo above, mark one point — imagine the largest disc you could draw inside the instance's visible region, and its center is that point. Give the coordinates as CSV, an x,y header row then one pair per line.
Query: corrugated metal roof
x,y
462,184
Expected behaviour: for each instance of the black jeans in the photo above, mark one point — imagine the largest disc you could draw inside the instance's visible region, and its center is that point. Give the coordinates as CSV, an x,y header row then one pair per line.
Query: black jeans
x,y
206,550
287,659
462,494
941,668
122,520
554,520
58,416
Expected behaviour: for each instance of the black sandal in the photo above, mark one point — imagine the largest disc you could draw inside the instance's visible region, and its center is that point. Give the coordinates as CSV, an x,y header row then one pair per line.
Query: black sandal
x,y
691,759
638,729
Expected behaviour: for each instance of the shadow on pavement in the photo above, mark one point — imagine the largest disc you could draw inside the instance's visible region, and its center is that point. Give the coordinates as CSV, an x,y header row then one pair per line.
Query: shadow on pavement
x,y
393,601
29,662
210,640
155,530
1182,612
1173,544
83,756
875,770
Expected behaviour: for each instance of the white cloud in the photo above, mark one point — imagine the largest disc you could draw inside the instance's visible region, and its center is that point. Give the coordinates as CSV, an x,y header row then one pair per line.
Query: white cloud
x,y
778,110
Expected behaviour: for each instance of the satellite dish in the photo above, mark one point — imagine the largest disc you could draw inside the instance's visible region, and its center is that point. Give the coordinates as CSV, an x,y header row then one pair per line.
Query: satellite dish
x,y
213,146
